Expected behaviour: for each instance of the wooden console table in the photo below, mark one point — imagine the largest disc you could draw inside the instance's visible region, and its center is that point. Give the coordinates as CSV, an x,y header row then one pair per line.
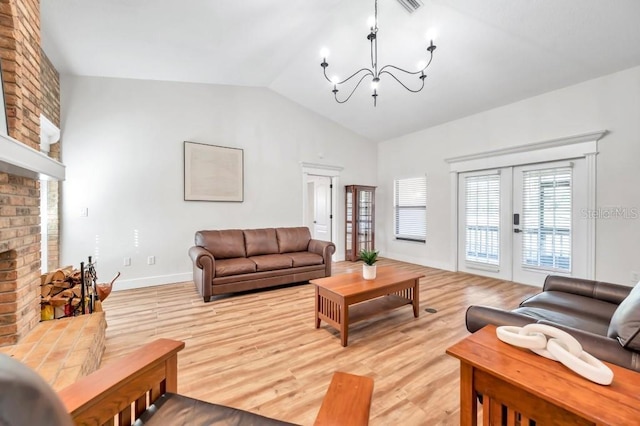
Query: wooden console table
x,y
518,386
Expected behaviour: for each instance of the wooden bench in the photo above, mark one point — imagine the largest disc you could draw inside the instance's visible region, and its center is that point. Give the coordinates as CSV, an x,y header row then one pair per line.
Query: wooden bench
x,y
125,389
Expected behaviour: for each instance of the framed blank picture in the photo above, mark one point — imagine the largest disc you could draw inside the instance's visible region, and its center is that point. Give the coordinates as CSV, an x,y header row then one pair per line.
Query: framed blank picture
x,y
213,173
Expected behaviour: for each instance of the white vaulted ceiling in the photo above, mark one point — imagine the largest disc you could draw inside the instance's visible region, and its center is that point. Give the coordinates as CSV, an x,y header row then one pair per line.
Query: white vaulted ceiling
x,y
490,52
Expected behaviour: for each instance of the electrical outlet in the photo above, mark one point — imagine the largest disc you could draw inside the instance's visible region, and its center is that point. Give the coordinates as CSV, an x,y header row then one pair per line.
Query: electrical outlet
x,y
84,212
126,261
151,260
635,276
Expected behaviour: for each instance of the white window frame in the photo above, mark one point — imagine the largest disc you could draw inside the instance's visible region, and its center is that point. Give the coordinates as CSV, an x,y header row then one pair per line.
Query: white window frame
x,y
422,204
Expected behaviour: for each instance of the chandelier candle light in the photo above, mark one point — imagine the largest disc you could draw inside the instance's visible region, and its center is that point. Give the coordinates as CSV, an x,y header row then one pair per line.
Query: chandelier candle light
x,y
374,72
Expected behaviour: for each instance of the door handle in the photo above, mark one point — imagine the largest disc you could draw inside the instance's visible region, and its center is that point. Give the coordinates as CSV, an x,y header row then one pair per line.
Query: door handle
x,y
517,230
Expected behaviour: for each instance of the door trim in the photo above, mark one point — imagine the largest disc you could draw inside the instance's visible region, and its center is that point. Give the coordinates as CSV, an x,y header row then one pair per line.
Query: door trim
x,y
334,173
578,146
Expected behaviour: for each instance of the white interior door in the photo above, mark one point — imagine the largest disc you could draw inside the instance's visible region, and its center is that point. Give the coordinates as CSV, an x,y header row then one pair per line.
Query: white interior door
x,y
549,234
524,223
321,228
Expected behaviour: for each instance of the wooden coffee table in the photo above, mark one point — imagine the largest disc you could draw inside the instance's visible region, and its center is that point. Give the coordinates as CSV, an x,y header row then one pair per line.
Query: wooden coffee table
x,y
346,299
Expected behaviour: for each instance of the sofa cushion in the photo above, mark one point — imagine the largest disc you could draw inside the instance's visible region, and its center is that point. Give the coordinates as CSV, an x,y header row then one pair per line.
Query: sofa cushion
x,y
625,323
293,239
240,265
571,304
260,241
224,244
305,258
584,322
270,262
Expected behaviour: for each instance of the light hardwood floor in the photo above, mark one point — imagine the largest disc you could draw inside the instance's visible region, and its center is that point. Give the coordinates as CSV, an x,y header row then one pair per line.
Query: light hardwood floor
x,y
261,352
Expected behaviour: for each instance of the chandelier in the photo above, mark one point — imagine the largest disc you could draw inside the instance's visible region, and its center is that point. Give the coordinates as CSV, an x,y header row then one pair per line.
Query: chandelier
x,y
374,72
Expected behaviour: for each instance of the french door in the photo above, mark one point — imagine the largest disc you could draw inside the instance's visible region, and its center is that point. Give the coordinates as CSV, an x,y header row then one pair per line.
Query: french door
x,y
523,223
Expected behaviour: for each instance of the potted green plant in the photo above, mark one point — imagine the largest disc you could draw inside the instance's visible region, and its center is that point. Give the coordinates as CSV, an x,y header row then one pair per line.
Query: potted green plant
x,y
369,257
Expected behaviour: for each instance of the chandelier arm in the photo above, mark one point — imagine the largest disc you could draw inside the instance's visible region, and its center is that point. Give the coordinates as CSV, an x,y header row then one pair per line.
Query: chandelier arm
x,y
406,71
324,70
402,84
367,70
335,94
399,69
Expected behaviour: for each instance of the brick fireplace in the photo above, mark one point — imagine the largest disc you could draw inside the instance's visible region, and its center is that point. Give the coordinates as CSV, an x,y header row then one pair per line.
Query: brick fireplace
x,y
64,350
28,85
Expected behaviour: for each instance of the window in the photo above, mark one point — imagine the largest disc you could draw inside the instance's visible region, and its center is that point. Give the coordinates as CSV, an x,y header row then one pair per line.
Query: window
x,y
410,205
482,221
546,221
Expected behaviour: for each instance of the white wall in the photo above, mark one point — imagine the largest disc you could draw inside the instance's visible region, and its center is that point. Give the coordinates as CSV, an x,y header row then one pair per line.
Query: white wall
x,y
609,103
123,148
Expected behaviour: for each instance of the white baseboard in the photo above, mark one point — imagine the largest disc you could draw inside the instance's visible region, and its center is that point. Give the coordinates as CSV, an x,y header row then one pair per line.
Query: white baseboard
x,y
419,261
152,281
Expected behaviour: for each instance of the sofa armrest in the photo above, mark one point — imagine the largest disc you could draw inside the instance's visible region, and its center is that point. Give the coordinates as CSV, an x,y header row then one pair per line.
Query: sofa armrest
x,y
204,270
479,316
612,293
112,390
324,249
602,347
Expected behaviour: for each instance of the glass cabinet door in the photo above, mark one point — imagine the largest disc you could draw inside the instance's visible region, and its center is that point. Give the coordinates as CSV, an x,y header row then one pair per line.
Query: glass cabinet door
x,y
359,220
349,224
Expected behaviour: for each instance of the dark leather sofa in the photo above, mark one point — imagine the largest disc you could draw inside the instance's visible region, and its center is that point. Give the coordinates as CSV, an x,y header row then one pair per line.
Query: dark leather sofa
x,y
603,317
235,260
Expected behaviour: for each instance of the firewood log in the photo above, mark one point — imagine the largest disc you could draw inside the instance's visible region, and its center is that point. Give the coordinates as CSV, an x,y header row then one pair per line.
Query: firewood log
x,y
46,278
68,293
62,284
58,300
62,273
77,290
45,290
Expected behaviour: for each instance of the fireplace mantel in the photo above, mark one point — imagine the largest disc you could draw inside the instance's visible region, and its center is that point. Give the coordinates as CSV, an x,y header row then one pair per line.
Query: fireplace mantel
x,y
19,159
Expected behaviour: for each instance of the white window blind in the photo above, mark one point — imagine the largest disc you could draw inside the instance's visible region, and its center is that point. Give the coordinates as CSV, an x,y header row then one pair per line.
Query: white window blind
x,y
482,207
410,204
546,219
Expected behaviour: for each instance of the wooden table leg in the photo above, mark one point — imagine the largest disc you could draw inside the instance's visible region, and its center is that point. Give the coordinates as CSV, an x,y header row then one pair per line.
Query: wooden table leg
x,y
344,323
468,397
317,307
416,298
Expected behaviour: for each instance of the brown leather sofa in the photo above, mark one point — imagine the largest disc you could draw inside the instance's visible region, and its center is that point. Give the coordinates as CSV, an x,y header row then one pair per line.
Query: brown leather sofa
x,y
235,260
603,317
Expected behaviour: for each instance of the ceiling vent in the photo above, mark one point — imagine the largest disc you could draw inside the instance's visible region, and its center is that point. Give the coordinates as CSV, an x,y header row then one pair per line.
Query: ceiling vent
x,y
411,5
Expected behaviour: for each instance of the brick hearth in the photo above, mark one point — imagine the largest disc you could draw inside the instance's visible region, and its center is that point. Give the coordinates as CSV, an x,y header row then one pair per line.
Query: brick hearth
x,y
64,350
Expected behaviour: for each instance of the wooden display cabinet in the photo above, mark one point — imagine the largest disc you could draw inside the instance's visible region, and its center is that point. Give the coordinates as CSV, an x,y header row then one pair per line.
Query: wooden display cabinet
x,y
359,220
